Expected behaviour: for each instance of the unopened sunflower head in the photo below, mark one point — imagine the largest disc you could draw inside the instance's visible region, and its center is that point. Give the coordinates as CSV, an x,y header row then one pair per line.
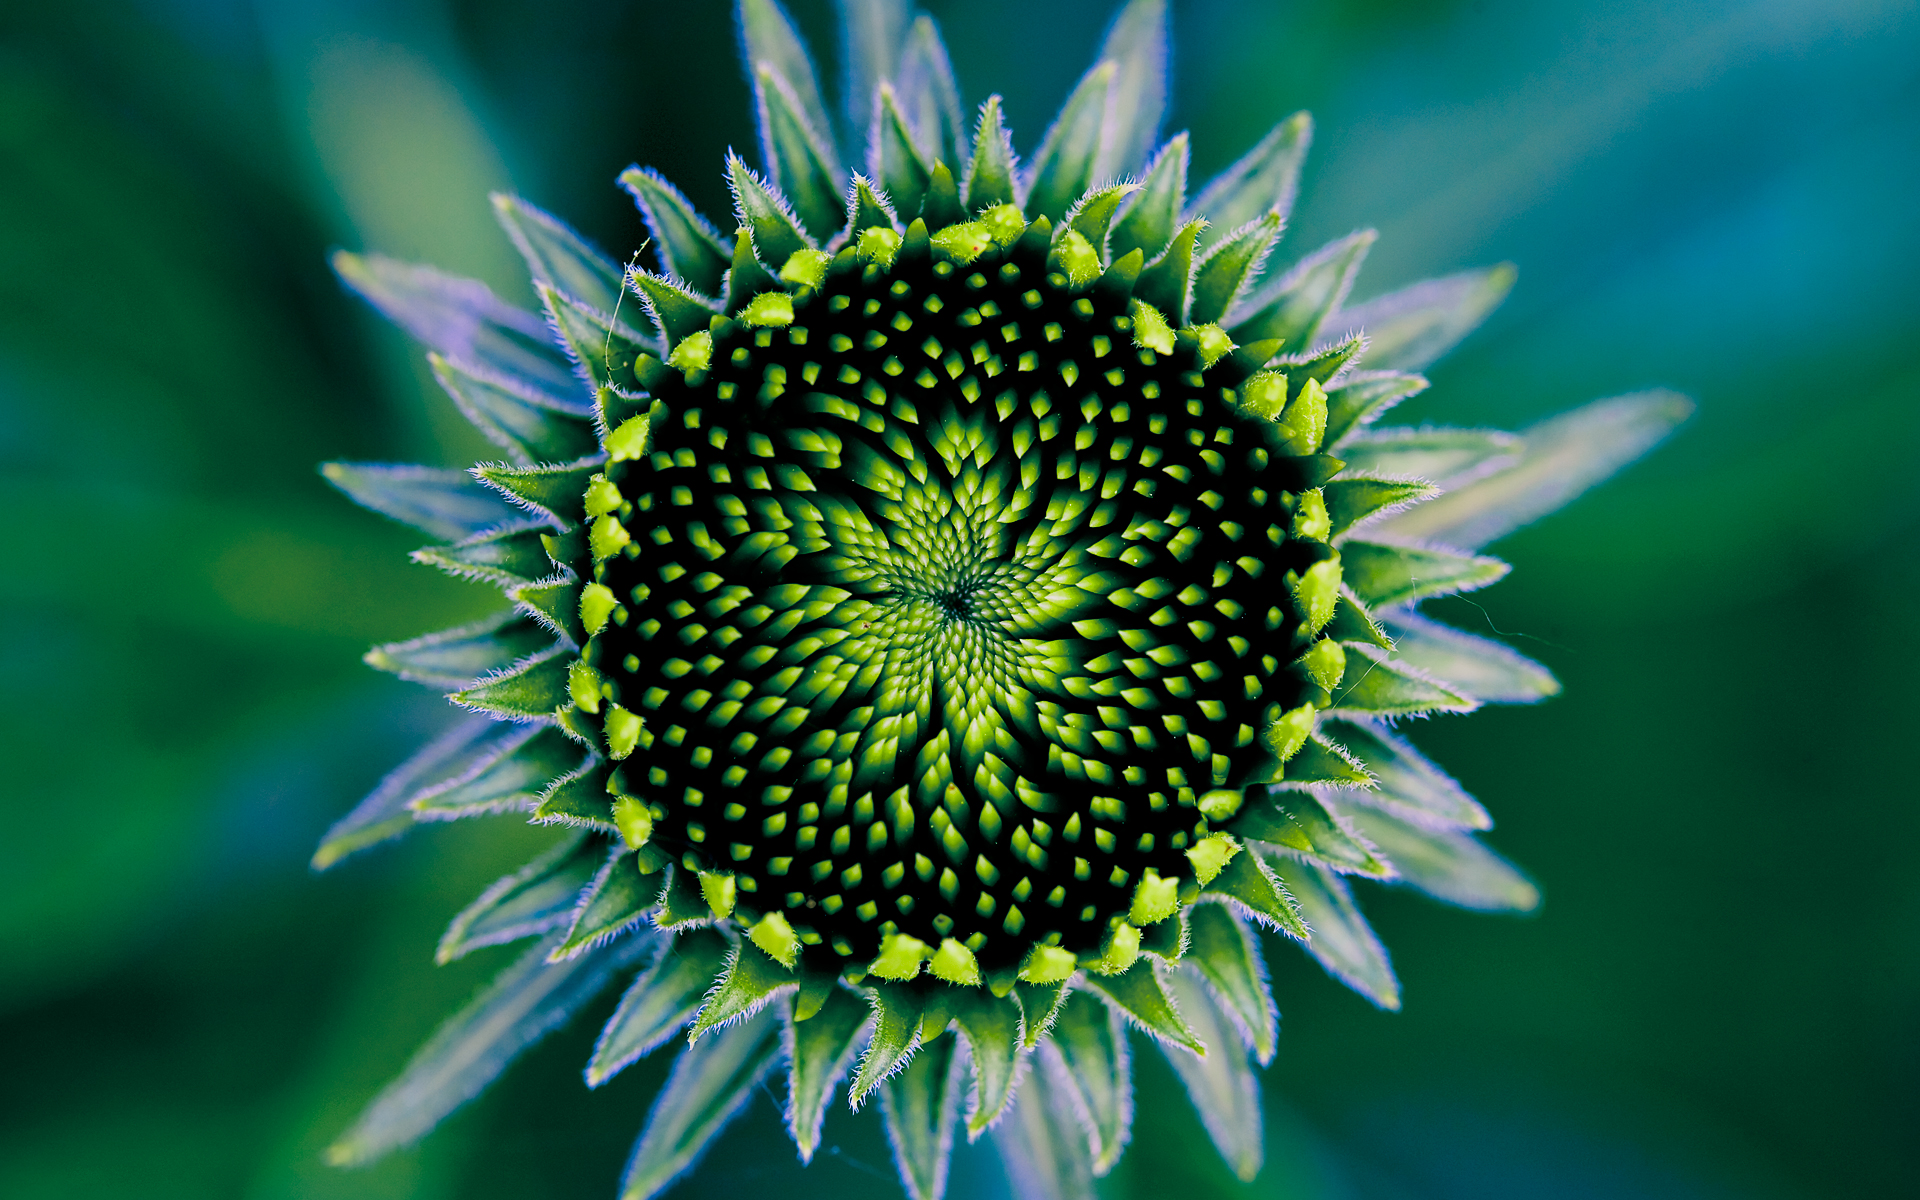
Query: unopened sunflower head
x,y
959,606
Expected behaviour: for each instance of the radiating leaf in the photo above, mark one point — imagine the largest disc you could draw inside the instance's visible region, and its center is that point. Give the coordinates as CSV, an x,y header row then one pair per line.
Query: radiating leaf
x,y
1165,938
578,798
1378,686
1250,883
1089,1039
1297,823
1231,265
525,1002
1475,666
602,344
1324,364
872,34
456,657
990,176
1385,574
893,159
747,278
384,813
677,311
1221,1085
618,900
1412,327
1353,623
1039,1005
750,981
1342,940
1560,458
927,95
768,35
555,603
1226,953
681,902
504,557
1293,307
1351,499
557,255
1446,864
660,1003
462,319
1447,457
547,489
1321,761
1150,220
777,234
1266,177
1136,44
1167,282
1063,166
685,241
712,1081
896,1013
449,505
1044,1150
529,690
510,779
820,1050
920,1104
526,426
1361,397
536,899
797,155
1138,993
992,1025
1405,782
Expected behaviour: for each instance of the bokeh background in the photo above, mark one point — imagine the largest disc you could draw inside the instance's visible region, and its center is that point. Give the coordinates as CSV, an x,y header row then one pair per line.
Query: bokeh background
x,y
1721,996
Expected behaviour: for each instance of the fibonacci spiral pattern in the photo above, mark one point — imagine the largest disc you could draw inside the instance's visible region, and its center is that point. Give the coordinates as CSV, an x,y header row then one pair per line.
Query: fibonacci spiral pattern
x,y
958,608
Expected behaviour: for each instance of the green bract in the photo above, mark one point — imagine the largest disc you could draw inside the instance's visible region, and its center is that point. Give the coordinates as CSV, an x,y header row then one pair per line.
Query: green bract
x,y
966,599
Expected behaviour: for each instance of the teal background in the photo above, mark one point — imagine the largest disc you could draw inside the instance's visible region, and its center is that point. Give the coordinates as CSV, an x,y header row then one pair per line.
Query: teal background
x,y
1721,994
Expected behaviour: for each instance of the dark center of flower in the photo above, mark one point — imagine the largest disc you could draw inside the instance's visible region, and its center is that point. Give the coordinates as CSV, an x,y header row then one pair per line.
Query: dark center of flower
x,y
945,605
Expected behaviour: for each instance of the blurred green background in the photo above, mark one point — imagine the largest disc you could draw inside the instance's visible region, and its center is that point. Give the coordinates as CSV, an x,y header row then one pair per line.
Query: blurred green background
x,y
1721,995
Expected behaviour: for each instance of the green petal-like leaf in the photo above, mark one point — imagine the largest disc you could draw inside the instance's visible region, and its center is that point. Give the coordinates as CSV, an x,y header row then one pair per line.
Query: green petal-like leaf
x,y
1039,1005
1139,994
992,1025
618,900
508,780
1378,686
1353,500
1353,623
527,425
1342,940
504,557
1323,762
1167,282
1221,1085
537,898
896,1013
660,1003
711,1081
1137,46
920,1104
872,34
384,812
450,505
1446,863
1361,397
1225,951
1410,328
681,902
893,159
820,1050
677,311
927,96
1227,269
866,209
1385,574
1089,1039
1560,458
747,278
548,489
1404,780
557,255
1297,823
462,319
531,689
527,1000
1251,884
1447,457
555,603
1474,666
777,233
1267,177
768,35
751,980
578,798
1042,1144
456,657
1155,212
796,154
603,346
1062,168
686,242
1293,307
1326,362
990,176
